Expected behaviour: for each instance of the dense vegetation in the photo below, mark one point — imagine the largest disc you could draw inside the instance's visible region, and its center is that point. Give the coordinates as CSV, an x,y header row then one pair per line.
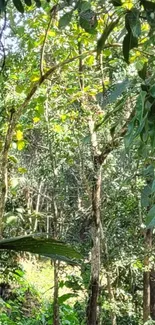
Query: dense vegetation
x,y
77,182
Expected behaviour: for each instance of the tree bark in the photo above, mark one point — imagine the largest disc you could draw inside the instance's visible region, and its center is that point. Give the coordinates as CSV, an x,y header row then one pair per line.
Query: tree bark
x,y
146,276
4,168
56,295
92,318
152,293
108,275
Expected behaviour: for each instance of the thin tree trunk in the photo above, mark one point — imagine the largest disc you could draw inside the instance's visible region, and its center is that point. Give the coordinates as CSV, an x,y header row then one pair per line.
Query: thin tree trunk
x,y
56,295
56,268
108,275
111,294
146,276
92,317
152,293
38,205
4,169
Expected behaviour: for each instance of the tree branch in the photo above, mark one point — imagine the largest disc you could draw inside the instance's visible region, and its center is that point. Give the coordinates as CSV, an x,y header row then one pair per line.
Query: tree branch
x,y
44,43
115,141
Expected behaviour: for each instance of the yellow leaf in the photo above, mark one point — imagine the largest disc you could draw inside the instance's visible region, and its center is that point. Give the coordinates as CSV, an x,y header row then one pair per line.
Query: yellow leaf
x,y
57,128
63,117
36,119
20,145
51,33
19,135
35,78
22,170
128,4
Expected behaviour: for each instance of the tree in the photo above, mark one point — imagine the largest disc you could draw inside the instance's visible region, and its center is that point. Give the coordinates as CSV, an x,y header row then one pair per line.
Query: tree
x,y
68,97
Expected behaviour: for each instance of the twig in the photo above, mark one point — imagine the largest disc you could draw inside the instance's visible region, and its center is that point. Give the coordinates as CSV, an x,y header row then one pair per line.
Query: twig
x,y
44,44
2,45
4,56
4,26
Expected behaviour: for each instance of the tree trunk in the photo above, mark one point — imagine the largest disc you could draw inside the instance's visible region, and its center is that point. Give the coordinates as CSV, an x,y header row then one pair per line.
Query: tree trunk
x,y
146,276
95,254
4,168
152,294
108,275
92,318
56,294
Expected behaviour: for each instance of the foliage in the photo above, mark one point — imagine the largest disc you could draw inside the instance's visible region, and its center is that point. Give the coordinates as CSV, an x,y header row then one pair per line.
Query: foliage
x,y
68,68
40,245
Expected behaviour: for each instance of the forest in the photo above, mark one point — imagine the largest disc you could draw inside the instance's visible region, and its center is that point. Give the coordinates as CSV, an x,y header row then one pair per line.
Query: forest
x,y
77,164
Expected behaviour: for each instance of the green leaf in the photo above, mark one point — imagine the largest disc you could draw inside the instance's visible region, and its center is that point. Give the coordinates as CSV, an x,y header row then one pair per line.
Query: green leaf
x,y
66,296
2,5
88,21
116,3
19,6
19,89
129,43
148,5
38,3
110,97
128,139
143,71
28,3
84,6
13,159
132,22
145,196
139,108
105,35
87,139
149,172
150,219
153,187
39,244
22,170
11,219
152,137
152,91
65,19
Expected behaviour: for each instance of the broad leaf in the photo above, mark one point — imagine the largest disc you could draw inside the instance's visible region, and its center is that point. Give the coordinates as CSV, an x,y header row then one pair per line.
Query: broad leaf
x,y
38,3
139,108
128,139
145,196
152,91
2,4
65,19
28,3
143,71
132,22
149,172
87,139
19,6
129,43
88,21
108,29
84,6
153,187
150,219
38,244
148,5
66,296
110,96
116,3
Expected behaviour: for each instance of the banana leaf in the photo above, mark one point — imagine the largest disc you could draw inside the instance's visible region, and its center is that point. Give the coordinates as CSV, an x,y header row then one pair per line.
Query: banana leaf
x,y
39,244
